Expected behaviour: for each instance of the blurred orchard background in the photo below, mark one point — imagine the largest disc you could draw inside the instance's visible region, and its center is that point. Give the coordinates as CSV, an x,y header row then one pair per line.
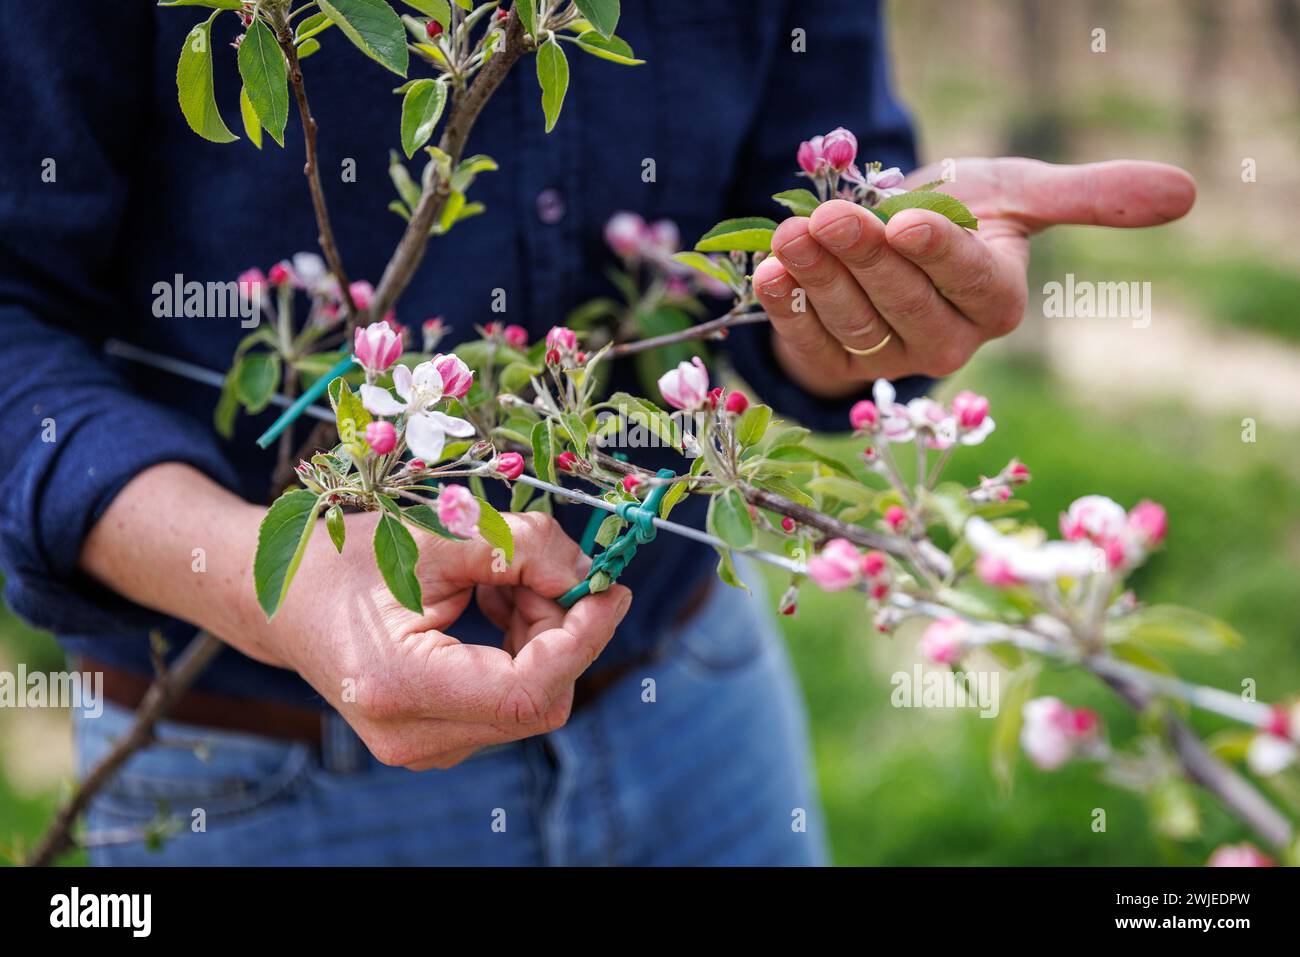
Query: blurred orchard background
x,y
1091,405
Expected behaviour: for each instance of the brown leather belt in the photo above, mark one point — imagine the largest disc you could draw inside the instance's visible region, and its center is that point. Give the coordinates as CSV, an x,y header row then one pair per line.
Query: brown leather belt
x,y
274,719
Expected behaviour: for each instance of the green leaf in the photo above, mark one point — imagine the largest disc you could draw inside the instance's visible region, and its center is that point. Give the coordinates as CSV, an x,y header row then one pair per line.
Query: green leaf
x,y
396,554
753,424
727,570
936,202
194,85
543,452
844,489
801,202
211,4
350,415
730,520
1005,743
750,234
495,529
256,376
517,375
702,263
281,541
439,10
614,49
527,15
266,78
335,526
308,27
577,430
422,516
307,49
374,28
421,109
601,14
252,125
553,76
1172,627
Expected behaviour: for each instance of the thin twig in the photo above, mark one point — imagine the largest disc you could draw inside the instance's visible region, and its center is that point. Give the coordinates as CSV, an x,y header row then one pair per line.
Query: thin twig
x,y
713,329
162,694
311,169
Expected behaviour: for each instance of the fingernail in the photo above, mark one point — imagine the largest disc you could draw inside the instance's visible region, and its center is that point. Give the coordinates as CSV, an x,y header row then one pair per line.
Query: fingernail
x,y
840,233
777,288
915,238
624,604
800,252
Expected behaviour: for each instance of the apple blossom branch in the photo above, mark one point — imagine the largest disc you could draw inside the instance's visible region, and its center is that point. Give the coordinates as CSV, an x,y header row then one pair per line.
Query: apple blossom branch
x,y
714,329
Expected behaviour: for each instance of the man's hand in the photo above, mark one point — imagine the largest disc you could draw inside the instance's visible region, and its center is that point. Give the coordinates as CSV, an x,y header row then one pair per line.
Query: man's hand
x,y
415,695
940,290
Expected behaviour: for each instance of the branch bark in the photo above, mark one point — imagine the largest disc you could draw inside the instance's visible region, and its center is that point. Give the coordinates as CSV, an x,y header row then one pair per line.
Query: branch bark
x,y
465,111
311,169
713,329
166,689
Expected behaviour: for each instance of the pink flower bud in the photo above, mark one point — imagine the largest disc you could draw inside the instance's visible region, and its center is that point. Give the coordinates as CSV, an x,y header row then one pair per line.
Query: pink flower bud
x,y
625,232
434,29
515,336
362,294
895,517
836,566
552,357
252,283
566,461
971,409
687,386
789,601
561,338
840,149
996,570
377,346
509,465
458,511
500,15
1148,522
1016,472
873,563
280,275
810,157
416,465
381,437
1053,732
456,376
864,416
787,524
663,237
945,640
1093,517
1239,855
736,403
630,483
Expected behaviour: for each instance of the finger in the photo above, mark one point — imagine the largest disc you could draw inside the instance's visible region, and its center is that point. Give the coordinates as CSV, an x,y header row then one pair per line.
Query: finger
x,y
840,302
545,559
1113,193
937,338
497,603
987,289
799,330
550,663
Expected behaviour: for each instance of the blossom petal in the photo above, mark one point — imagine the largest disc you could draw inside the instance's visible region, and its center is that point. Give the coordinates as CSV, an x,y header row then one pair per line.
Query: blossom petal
x,y
450,424
425,437
380,401
402,382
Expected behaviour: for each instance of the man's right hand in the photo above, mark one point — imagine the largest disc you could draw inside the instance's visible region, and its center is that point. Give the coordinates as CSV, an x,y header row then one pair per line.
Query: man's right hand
x,y
415,695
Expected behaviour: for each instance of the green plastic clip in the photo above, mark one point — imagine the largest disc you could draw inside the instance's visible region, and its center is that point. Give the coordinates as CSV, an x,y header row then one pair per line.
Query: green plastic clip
x,y
299,406
611,562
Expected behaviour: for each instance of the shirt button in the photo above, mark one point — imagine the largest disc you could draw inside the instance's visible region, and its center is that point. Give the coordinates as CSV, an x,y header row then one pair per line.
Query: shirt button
x,y
550,206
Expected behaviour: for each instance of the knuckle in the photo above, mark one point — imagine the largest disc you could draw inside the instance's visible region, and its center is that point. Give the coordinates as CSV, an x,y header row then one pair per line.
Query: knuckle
x,y
389,751
915,303
946,359
976,281
378,699
522,704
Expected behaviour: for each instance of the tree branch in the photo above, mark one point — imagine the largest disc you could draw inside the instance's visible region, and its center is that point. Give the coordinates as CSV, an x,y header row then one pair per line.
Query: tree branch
x,y
464,112
713,329
166,689
311,169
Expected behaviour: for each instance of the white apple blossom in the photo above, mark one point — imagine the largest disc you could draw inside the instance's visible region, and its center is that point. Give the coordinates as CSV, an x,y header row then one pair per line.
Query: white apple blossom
x,y
420,390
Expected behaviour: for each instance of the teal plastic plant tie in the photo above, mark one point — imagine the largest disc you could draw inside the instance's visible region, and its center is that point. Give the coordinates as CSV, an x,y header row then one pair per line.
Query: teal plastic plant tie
x,y
641,529
291,414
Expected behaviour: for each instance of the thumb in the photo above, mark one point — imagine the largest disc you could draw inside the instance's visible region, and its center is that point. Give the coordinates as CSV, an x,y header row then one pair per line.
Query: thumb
x,y
1113,193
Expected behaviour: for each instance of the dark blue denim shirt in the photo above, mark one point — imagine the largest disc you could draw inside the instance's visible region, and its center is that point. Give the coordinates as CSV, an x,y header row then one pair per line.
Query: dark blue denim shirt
x,y
136,197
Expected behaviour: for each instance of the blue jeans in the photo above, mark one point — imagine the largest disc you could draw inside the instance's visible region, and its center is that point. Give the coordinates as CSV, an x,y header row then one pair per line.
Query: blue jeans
x,y
707,764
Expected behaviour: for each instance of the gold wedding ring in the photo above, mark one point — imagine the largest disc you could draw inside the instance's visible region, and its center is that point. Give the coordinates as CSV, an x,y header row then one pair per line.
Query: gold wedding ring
x,y
873,350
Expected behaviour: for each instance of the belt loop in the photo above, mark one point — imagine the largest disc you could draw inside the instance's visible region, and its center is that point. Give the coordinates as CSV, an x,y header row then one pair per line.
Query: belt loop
x,y
341,750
